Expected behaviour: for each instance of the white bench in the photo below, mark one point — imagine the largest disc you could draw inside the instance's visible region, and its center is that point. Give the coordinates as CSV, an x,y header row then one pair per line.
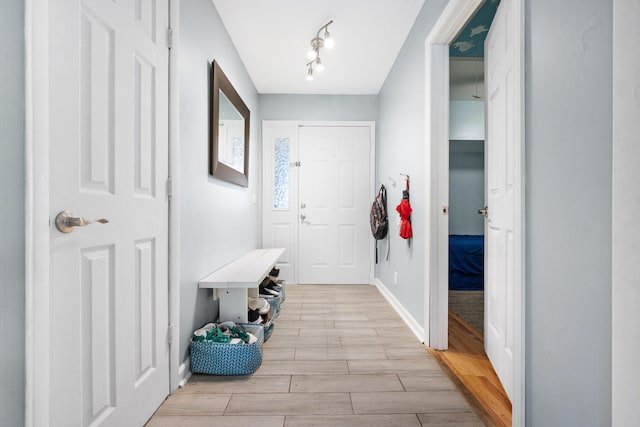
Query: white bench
x,y
240,279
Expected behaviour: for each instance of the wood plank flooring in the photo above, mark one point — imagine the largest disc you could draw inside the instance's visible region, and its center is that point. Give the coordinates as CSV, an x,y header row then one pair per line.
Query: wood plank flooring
x,y
469,365
339,356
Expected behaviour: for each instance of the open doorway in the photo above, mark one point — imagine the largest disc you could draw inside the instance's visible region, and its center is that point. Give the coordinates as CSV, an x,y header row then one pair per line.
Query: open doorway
x,y
466,189
467,171
504,265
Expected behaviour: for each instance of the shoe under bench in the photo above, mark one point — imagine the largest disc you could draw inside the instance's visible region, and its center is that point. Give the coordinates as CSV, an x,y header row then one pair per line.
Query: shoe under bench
x,y
238,280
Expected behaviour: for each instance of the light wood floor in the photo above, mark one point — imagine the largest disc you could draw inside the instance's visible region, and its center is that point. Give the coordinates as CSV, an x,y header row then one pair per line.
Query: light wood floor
x,y
339,356
468,363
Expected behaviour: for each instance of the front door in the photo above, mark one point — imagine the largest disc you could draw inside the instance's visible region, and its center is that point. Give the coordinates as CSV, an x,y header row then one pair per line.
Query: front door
x,y
334,239
504,196
317,194
108,137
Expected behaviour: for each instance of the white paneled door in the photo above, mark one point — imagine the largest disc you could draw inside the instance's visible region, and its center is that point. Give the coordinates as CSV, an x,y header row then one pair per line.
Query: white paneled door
x,y
504,196
108,331
317,181
334,237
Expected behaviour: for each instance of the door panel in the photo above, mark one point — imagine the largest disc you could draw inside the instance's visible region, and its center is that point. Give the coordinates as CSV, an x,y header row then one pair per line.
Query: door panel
x,y
503,172
334,236
109,159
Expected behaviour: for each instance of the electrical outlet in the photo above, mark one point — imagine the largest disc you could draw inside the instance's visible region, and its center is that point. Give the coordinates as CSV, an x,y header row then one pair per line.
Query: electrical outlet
x,y
395,278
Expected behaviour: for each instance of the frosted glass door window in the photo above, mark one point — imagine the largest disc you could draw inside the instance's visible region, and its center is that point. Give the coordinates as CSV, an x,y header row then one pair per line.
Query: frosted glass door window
x,y
281,173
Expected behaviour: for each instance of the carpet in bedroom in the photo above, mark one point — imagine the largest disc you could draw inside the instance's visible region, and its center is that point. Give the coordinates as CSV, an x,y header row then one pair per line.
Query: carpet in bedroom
x,y
470,306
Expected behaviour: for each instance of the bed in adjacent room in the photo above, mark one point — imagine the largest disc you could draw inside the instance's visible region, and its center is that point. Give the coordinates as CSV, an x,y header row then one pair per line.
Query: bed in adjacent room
x,y
466,278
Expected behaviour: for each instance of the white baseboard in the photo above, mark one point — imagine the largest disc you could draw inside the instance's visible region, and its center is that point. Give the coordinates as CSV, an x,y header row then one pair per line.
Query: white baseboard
x,y
415,327
184,372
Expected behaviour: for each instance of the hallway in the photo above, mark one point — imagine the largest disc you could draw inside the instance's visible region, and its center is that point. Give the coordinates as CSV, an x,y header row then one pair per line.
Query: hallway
x,y
339,356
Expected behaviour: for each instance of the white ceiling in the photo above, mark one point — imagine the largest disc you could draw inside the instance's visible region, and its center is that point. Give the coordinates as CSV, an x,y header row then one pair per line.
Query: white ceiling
x,y
272,38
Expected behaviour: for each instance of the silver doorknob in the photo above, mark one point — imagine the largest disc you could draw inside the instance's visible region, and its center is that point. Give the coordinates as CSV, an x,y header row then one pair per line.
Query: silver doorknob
x,y
484,212
303,217
66,222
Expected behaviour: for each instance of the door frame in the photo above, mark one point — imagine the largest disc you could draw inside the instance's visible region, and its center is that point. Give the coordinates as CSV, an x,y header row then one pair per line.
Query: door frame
x,y
372,172
451,21
37,227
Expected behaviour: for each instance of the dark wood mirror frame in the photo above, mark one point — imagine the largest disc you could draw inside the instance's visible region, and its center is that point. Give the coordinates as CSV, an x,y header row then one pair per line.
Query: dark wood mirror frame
x,y
220,82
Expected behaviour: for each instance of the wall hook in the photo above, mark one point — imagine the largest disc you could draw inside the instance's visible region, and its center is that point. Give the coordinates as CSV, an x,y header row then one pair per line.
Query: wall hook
x,y
393,181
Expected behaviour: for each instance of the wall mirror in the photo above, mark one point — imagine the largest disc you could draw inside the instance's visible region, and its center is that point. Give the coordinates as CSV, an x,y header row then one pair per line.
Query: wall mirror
x,y
229,145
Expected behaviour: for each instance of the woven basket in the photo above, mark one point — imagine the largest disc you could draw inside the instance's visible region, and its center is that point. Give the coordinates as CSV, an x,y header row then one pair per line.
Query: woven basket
x,y
274,302
228,359
280,289
268,331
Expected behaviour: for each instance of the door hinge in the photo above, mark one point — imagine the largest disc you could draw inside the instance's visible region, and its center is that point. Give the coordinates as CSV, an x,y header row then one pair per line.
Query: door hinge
x,y
297,164
170,334
169,187
169,38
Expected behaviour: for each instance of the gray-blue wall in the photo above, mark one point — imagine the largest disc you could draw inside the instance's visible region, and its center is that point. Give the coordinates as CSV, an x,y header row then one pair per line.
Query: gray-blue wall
x,y
568,209
319,107
400,149
12,303
219,220
466,187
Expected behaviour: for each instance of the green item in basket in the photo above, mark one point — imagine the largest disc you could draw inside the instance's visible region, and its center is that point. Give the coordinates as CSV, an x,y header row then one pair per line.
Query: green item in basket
x,y
216,335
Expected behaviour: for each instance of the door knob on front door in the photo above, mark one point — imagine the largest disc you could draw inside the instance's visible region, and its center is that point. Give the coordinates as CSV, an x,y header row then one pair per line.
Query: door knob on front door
x,y
484,212
66,222
303,217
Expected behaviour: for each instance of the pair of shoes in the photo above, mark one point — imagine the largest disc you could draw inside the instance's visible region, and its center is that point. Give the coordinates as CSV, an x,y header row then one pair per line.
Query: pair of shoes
x,y
211,333
274,273
202,332
254,317
260,304
267,288
237,333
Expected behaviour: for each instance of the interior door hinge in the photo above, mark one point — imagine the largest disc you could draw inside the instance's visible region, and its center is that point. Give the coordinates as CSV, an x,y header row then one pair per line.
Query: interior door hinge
x,y
169,187
170,334
297,164
169,38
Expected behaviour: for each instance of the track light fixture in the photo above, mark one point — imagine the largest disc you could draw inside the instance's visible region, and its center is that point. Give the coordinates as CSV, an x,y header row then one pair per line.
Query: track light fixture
x,y
318,43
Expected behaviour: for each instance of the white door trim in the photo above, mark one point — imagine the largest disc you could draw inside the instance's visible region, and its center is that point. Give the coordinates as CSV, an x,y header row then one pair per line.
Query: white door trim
x,y
178,374
37,146
372,169
450,22
36,212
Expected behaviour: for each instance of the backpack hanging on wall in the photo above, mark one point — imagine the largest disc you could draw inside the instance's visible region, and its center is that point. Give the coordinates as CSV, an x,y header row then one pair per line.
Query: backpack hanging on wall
x,y
379,220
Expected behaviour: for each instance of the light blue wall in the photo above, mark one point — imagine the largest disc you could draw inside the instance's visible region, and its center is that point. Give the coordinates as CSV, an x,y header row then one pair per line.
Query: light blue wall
x,y
568,200
12,302
466,187
319,107
12,262
400,149
219,221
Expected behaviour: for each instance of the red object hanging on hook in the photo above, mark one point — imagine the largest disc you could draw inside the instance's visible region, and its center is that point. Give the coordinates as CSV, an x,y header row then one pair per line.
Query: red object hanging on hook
x,y
404,209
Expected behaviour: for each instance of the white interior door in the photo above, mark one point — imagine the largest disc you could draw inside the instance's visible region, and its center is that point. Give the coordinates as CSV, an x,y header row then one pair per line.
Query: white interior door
x,y
503,173
109,159
334,198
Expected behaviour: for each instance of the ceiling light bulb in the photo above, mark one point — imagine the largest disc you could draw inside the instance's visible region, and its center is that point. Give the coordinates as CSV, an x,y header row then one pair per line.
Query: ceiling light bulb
x,y
310,73
311,54
328,40
319,65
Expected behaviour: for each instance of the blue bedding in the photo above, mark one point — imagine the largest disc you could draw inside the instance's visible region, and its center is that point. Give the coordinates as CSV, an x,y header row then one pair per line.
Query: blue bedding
x,y
466,262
